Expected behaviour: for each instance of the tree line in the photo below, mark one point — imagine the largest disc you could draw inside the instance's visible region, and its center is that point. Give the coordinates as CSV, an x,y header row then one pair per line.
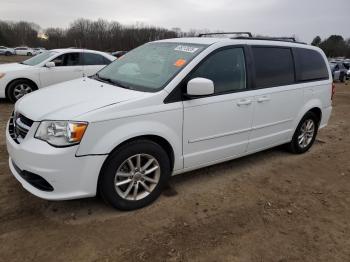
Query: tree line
x,y
333,46
83,33
111,36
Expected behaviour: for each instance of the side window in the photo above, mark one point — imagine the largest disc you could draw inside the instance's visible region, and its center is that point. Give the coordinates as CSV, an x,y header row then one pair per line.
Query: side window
x,y
226,68
70,59
311,65
106,61
274,66
94,59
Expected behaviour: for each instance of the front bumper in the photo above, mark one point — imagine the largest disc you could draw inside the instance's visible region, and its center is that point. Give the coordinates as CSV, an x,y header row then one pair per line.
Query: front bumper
x,y
70,176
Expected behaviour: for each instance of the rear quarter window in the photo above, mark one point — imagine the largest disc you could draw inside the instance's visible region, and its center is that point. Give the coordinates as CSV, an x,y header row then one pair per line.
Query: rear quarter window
x,y
310,65
94,59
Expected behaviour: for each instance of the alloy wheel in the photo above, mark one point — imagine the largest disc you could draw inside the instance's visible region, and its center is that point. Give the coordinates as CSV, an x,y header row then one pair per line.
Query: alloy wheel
x,y
307,132
21,90
137,177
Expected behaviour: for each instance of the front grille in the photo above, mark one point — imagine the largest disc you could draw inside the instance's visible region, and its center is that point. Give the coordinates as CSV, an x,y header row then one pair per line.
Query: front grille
x,y
19,126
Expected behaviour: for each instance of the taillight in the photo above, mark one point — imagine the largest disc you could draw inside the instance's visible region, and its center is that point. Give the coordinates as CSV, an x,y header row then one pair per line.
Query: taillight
x,y
333,91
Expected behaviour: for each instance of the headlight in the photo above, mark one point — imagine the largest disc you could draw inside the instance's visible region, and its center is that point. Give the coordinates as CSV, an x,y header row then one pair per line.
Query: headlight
x,y
2,75
61,133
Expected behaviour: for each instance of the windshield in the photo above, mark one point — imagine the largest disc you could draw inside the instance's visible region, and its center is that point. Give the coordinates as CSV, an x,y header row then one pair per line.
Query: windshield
x,y
39,58
151,66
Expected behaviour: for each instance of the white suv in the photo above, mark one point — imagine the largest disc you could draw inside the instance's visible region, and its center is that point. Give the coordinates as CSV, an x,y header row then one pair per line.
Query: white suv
x,y
165,108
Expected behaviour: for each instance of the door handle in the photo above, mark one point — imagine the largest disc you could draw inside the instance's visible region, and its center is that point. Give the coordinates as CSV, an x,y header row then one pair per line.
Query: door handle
x,y
263,99
244,102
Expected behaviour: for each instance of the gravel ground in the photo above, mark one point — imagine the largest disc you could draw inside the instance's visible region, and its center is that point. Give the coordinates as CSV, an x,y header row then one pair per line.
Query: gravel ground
x,y
270,206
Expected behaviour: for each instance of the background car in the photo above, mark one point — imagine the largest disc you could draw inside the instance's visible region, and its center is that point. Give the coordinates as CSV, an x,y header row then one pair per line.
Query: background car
x,y
23,50
48,68
339,71
6,51
347,66
39,50
119,54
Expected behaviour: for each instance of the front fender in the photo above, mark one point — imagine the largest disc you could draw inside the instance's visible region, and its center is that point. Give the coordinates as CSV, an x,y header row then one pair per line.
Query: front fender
x,y
102,137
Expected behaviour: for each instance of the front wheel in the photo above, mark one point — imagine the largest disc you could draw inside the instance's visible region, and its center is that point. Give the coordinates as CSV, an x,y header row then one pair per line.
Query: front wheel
x,y
305,134
134,175
18,89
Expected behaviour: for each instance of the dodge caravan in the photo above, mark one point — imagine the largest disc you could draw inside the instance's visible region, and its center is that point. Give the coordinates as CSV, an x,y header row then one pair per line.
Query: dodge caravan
x,y
165,108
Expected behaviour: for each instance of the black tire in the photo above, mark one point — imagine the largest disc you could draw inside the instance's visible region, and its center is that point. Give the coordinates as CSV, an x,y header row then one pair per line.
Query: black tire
x,y
29,54
11,90
8,53
294,145
106,185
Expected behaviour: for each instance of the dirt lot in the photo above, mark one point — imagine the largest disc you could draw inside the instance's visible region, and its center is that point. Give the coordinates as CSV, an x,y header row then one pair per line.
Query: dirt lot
x,y
271,206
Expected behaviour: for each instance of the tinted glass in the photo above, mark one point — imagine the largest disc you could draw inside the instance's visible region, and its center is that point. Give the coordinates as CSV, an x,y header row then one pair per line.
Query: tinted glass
x,y
94,59
274,66
311,65
226,68
70,59
151,66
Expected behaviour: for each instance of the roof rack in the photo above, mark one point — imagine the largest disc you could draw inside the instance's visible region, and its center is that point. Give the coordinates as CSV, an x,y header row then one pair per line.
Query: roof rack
x,y
282,39
227,33
251,37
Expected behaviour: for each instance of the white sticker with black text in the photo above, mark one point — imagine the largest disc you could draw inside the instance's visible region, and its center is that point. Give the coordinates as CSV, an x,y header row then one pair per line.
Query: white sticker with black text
x,y
185,48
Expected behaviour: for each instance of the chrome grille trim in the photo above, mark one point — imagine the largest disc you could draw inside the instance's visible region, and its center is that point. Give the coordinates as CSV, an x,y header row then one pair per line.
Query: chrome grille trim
x,y
19,126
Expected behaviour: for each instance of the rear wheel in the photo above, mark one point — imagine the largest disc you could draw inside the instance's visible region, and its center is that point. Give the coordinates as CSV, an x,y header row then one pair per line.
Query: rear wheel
x,y
18,89
8,53
305,134
29,54
134,175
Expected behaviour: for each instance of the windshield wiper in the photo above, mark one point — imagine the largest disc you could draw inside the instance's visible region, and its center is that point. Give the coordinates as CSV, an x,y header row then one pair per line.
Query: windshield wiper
x,y
110,81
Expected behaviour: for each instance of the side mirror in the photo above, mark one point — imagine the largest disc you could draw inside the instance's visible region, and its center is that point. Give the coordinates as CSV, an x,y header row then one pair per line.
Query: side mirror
x,y
200,87
50,64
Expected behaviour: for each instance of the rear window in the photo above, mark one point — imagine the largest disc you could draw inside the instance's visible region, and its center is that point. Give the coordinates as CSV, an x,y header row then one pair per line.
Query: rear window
x,y
311,65
274,66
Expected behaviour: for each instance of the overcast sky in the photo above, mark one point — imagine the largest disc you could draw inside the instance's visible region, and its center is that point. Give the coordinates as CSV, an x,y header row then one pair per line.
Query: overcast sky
x,y
303,18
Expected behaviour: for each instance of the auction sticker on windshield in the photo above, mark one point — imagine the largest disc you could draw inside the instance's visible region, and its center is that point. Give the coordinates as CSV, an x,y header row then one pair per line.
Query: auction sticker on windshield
x,y
185,48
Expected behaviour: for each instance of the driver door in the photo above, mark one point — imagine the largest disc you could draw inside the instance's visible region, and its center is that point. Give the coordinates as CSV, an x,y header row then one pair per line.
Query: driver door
x,y
217,127
67,67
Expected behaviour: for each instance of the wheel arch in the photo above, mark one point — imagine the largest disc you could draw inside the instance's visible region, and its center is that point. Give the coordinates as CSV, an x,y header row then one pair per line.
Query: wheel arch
x,y
313,106
36,87
154,138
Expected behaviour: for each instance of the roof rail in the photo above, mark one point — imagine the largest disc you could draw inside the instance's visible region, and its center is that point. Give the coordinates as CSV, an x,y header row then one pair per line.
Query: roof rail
x,y
282,39
227,33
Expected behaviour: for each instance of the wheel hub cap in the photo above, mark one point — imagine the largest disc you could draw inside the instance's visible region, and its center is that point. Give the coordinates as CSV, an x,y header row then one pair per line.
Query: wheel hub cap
x,y
137,177
306,135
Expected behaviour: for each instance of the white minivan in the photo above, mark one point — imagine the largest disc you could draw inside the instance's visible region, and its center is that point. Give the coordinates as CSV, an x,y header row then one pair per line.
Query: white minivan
x,y
165,108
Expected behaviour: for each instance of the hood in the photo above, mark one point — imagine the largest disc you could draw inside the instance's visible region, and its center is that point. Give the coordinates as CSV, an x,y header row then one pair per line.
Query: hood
x,y
69,100
13,67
